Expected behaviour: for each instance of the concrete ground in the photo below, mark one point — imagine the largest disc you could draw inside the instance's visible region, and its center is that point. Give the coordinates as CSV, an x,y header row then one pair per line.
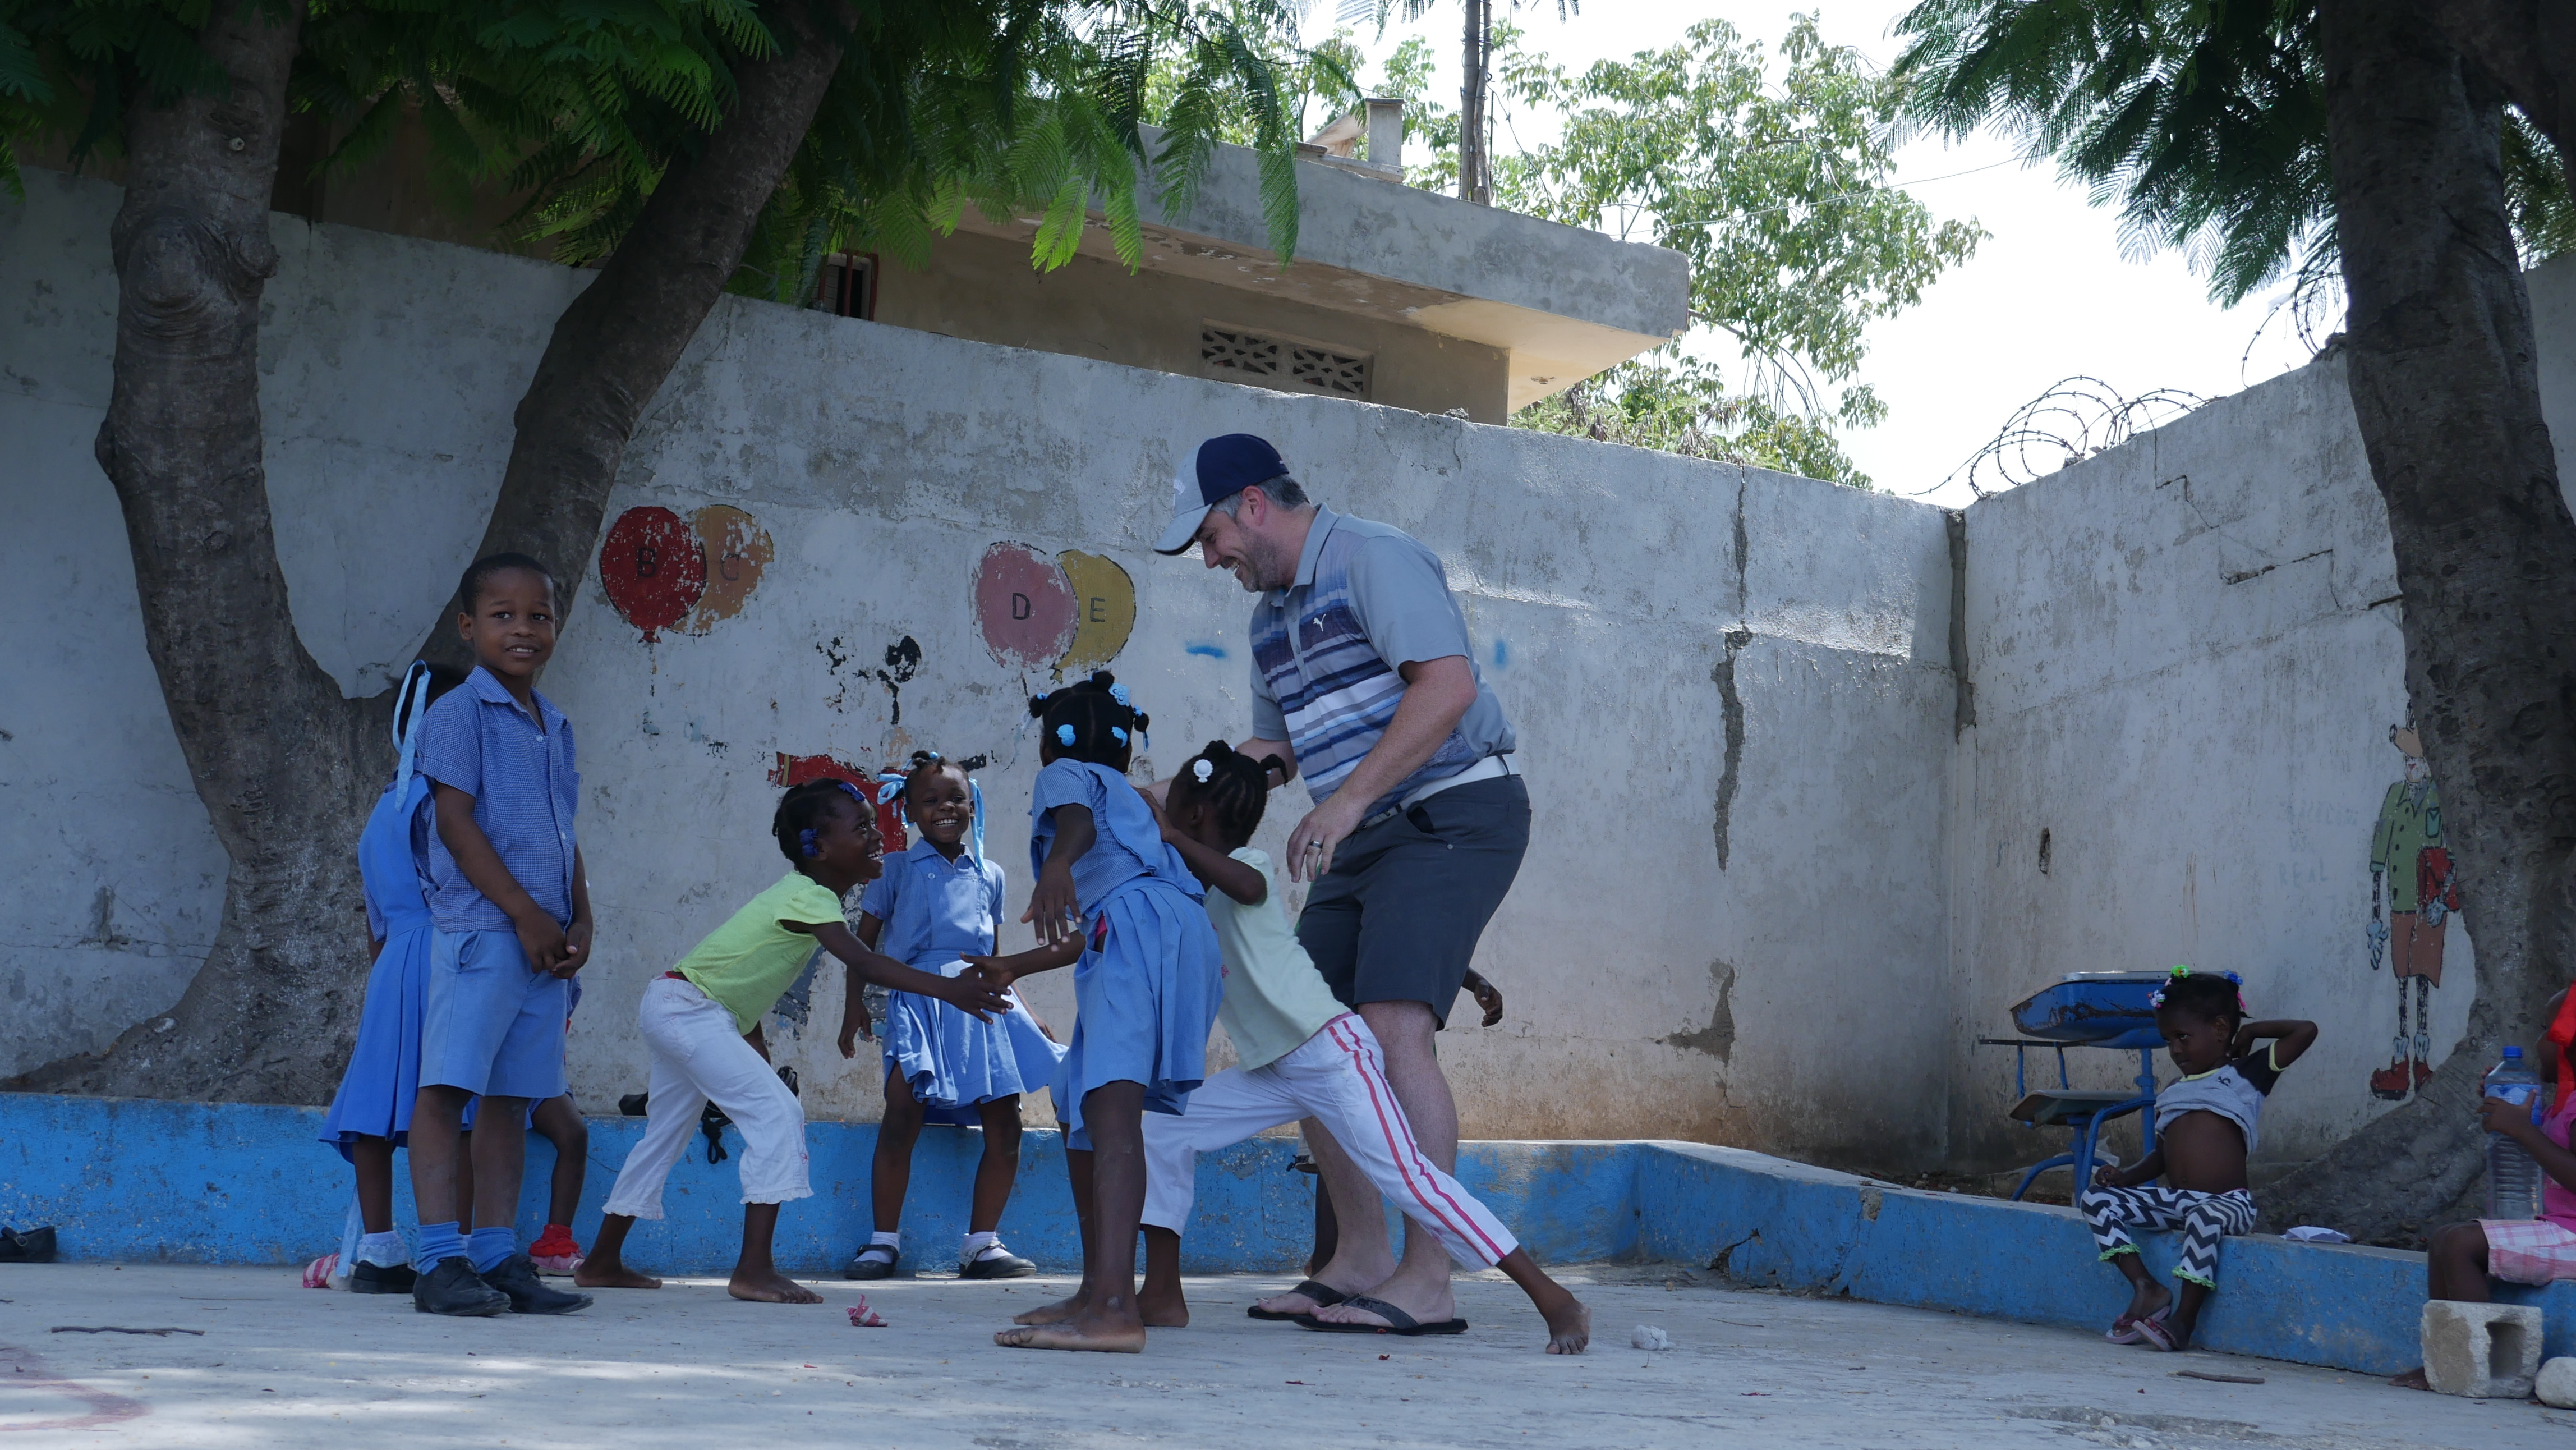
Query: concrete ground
x,y
280,1366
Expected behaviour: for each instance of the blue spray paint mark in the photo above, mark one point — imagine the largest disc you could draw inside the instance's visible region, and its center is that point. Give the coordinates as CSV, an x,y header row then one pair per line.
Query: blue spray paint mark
x,y
1203,647
1502,654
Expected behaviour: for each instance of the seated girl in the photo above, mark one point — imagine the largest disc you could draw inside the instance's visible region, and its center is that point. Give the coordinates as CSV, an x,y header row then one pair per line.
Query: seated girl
x,y
2205,1126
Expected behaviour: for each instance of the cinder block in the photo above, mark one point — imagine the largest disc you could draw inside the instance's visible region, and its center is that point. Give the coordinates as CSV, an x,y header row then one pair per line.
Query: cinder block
x,y
2481,1351
2557,1383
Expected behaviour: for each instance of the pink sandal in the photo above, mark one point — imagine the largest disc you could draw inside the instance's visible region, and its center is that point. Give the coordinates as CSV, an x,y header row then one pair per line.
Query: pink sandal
x,y
2125,1330
2154,1333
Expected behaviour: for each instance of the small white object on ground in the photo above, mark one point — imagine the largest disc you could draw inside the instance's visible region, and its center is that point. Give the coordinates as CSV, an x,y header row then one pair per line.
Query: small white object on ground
x,y
2481,1351
1647,1336
2557,1383
2308,1233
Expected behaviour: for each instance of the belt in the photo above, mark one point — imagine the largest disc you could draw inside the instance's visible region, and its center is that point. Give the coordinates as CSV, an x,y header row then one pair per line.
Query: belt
x,y
1490,768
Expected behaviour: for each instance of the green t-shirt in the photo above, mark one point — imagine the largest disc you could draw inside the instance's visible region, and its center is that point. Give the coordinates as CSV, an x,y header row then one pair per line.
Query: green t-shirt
x,y
745,963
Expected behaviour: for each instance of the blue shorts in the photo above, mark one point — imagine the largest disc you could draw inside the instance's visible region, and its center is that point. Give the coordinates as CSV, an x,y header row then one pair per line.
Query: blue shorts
x,y
491,1025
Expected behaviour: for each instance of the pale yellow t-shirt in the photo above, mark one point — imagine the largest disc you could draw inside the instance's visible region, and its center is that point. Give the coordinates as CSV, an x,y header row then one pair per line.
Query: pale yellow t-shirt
x,y
745,963
1274,997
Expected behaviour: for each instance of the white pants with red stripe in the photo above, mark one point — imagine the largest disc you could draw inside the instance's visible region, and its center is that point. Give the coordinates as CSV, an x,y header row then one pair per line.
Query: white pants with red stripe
x,y
1338,1078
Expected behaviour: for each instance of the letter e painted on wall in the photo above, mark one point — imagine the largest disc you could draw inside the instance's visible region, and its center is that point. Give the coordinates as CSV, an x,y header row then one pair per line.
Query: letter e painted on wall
x,y
1105,612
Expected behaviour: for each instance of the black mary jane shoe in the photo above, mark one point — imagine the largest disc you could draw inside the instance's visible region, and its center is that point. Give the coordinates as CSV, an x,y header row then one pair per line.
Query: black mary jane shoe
x,y
369,1278
516,1277
451,1287
1004,1265
35,1246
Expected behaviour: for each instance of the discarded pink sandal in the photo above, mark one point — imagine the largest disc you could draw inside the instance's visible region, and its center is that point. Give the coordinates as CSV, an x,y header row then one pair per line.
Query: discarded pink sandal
x,y
863,1317
317,1274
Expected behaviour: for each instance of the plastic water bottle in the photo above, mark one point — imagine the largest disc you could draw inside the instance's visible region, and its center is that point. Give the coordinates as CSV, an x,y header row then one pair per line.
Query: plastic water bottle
x,y
2513,1178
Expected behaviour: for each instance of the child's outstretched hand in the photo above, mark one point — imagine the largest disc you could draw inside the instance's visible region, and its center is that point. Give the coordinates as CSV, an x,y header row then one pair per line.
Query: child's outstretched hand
x,y
1489,997
1055,908
969,993
995,974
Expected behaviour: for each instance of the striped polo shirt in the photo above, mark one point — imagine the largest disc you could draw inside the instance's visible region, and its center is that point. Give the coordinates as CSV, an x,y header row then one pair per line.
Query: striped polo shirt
x,y
1368,597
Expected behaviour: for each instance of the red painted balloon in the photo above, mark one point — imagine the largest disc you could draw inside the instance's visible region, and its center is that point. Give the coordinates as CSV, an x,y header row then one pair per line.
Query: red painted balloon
x,y
654,568
1025,605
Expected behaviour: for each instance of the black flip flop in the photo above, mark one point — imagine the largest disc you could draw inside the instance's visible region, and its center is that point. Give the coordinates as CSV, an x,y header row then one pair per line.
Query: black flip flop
x,y
35,1246
1397,1322
1324,1295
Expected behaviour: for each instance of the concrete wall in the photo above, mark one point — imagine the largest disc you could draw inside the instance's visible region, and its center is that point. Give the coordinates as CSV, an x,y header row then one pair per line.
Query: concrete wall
x,y
1705,664
2187,660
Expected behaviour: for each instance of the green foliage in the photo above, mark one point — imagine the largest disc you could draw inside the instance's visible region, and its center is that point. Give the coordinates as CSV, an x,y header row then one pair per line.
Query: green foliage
x,y
577,108
2206,122
1670,401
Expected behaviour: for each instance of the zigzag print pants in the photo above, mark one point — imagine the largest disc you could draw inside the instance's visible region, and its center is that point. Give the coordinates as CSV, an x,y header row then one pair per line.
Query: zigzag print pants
x,y
2203,1218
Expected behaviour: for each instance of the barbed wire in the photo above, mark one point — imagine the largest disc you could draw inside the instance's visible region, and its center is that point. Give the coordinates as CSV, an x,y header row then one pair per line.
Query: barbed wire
x,y
2075,419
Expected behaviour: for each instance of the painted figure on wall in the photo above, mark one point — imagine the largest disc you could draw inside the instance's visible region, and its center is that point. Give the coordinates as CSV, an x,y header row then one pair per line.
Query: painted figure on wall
x,y
2414,891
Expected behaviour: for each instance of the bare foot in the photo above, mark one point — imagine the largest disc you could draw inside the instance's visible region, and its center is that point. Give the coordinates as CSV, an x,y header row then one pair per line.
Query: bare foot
x,y
770,1288
1057,1312
1569,1326
2413,1379
612,1274
1164,1311
1087,1331
2147,1301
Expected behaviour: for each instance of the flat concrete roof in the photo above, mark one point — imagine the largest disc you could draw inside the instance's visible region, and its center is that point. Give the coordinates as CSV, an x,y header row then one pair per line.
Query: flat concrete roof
x,y
278,1367
1565,302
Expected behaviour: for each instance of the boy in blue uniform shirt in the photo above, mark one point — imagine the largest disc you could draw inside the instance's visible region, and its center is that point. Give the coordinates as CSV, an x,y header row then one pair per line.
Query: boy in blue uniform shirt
x,y
512,910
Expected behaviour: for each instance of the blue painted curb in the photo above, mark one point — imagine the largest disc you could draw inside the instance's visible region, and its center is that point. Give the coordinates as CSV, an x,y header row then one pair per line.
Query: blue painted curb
x,y
135,1180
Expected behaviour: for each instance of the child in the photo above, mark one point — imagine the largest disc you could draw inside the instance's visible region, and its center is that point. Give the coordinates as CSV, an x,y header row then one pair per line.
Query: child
x,y
512,908
935,903
1111,892
1302,1053
702,1021
370,1116
2205,1127
2465,1256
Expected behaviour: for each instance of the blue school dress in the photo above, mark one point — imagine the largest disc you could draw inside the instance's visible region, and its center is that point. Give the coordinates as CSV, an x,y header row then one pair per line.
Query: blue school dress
x,y
383,1076
934,911
1146,989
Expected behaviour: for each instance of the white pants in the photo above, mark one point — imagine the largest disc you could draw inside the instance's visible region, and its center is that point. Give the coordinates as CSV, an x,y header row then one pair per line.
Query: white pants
x,y
697,1055
1338,1078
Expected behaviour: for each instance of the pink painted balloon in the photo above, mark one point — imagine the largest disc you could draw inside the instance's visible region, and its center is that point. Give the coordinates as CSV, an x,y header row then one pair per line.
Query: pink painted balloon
x,y
1025,605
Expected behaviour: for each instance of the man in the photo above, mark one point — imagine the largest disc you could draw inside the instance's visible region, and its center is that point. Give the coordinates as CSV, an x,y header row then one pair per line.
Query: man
x,y
1363,681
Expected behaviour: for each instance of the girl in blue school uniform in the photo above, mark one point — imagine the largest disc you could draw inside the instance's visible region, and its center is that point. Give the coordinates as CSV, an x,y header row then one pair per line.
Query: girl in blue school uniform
x,y
935,904
1116,901
371,1114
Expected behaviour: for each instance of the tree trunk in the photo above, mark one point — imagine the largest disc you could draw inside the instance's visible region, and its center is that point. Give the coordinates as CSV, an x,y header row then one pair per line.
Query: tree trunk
x,y
621,337
286,767
1475,164
2440,352
2528,47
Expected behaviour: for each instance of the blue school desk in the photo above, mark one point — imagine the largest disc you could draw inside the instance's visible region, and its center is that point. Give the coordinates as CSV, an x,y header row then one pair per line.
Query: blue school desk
x,y
2086,1009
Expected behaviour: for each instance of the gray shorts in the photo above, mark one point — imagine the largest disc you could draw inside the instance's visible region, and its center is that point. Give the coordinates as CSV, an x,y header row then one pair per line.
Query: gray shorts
x,y
1396,919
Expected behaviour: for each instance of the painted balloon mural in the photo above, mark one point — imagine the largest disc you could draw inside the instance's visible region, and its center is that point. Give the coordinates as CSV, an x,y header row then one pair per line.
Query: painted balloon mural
x,y
664,572
1070,613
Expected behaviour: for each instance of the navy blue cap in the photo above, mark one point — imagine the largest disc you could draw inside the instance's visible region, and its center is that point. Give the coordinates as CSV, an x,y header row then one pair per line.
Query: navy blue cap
x,y
1215,471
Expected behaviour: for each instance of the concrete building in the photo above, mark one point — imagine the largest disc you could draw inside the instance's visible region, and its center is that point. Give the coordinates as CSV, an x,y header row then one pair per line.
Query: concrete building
x,y
1778,884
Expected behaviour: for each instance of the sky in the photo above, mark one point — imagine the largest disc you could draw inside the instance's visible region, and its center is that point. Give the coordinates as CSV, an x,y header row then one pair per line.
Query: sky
x,y
2049,295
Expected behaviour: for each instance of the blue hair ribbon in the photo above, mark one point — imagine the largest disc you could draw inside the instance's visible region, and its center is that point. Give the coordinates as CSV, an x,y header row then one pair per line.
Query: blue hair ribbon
x,y
1118,734
1119,694
1064,736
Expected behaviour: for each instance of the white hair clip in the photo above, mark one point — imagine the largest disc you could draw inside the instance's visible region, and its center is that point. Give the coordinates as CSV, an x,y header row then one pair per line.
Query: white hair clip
x,y
1201,769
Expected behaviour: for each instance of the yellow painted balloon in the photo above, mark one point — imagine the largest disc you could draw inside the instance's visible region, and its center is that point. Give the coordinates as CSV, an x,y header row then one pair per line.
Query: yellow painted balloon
x,y
1104,601
737,550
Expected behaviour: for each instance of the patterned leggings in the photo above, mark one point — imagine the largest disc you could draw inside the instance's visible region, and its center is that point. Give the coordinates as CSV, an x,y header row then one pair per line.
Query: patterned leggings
x,y
2204,1219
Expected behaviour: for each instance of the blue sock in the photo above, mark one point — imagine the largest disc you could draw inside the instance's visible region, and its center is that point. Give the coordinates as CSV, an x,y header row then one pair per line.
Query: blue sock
x,y
438,1241
489,1248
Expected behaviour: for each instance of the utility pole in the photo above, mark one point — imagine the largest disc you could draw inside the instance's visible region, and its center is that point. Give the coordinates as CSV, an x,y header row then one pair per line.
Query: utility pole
x,y
1475,160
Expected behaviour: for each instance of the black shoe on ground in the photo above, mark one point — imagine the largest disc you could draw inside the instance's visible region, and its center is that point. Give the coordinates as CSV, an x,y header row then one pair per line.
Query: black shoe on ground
x,y
369,1278
866,1265
517,1278
1004,1265
452,1287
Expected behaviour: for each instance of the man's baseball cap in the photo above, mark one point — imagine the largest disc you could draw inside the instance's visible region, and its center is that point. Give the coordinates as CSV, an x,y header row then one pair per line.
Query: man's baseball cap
x,y
1215,471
